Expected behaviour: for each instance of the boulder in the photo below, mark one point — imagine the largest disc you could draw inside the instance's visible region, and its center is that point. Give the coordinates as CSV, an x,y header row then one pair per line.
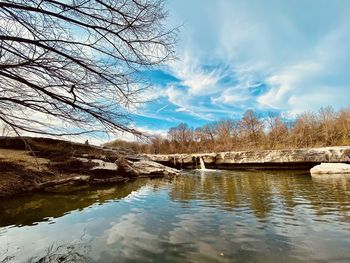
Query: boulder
x,y
100,169
153,169
331,168
104,165
99,164
126,168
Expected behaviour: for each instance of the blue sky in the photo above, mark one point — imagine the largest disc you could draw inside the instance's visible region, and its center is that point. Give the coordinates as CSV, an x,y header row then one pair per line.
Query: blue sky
x,y
269,56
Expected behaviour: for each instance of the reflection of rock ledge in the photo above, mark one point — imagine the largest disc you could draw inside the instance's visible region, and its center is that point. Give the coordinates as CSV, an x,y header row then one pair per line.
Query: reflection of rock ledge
x,y
340,181
267,159
317,177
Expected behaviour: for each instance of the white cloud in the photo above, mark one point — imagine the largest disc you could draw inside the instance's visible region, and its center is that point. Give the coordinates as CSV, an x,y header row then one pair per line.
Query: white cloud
x,y
192,74
285,83
182,109
231,96
298,50
188,103
320,80
201,84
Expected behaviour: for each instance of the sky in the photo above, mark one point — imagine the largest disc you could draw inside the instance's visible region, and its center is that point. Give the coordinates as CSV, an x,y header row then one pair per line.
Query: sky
x,y
269,56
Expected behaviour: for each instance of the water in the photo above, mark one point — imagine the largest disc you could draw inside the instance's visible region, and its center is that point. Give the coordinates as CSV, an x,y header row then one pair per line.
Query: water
x,y
202,216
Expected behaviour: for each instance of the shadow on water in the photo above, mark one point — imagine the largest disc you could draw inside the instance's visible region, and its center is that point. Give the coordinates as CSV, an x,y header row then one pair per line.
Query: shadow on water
x,y
33,208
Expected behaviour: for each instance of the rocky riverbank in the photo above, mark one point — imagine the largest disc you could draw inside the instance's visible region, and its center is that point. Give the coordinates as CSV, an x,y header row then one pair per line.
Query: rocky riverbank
x,y
267,159
54,163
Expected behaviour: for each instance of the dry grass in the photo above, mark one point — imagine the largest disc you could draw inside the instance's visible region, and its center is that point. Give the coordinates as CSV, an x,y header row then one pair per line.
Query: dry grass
x,y
23,158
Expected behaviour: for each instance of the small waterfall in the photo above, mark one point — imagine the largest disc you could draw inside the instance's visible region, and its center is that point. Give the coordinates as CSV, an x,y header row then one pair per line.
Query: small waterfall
x,y
202,165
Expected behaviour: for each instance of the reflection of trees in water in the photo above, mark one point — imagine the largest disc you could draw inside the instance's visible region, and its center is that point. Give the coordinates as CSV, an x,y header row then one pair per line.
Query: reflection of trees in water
x,y
61,253
184,188
4,256
258,190
226,191
72,252
263,190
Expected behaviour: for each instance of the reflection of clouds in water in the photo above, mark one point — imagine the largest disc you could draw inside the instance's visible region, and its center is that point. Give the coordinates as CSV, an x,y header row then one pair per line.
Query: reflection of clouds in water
x,y
200,243
129,227
304,237
138,194
185,230
34,240
129,235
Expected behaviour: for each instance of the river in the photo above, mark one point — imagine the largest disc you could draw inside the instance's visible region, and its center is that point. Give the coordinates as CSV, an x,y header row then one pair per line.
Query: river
x,y
202,216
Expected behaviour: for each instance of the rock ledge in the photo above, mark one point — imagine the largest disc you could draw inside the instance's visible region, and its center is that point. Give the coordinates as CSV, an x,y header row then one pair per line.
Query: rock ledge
x,y
262,159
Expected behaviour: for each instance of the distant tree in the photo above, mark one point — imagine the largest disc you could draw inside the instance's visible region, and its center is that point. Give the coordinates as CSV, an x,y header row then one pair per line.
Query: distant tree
x,y
278,133
328,133
74,63
210,132
305,131
252,128
227,134
181,136
199,135
343,127
156,143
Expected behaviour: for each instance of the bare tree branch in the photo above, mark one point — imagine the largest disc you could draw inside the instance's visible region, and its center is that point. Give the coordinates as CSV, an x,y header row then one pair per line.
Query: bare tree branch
x,y
76,63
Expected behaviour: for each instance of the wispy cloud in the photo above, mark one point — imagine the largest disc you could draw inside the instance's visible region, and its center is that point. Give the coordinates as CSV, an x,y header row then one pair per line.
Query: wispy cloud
x,y
263,55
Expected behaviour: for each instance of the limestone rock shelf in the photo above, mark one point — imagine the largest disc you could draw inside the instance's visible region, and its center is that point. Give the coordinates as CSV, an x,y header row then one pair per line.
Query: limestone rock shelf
x,y
330,168
267,159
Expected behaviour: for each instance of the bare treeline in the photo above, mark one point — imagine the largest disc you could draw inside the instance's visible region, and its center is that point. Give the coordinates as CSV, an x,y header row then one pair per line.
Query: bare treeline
x,y
254,132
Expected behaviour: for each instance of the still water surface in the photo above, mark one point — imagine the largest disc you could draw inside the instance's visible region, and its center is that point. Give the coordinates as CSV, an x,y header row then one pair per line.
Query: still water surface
x,y
225,216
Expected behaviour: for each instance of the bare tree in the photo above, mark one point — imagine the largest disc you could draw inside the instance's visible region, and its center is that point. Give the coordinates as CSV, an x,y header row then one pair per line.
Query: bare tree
x,y
343,126
181,136
305,131
227,133
251,128
328,133
278,133
75,63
